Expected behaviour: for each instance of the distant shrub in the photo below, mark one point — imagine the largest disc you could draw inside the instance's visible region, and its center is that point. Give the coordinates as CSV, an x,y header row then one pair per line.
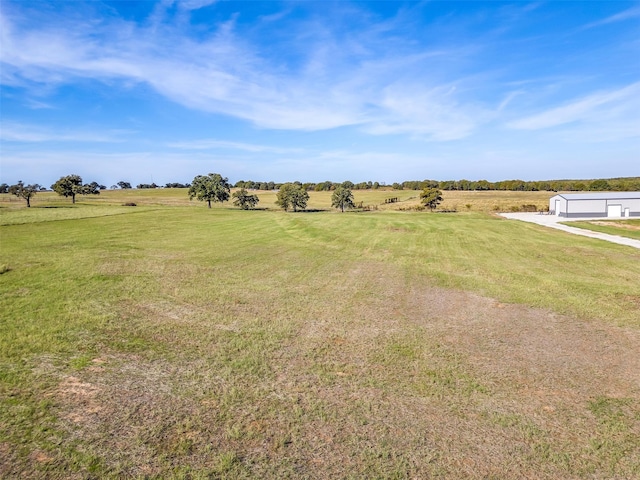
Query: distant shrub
x,y
514,208
129,204
468,205
497,208
529,208
4,268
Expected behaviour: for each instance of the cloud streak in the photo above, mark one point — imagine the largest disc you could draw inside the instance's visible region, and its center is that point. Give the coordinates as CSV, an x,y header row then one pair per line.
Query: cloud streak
x,y
11,132
618,17
223,73
608,109
213,144
317,90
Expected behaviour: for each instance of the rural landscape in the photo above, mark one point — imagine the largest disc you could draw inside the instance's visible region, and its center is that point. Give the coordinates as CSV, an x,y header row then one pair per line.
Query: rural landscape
x,y
170,340
319,239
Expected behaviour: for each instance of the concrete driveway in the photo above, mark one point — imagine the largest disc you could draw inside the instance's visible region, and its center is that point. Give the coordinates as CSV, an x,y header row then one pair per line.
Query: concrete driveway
x,y
552,221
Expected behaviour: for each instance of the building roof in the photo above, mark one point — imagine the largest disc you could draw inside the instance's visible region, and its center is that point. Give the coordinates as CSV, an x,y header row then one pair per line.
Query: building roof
x,y
600,196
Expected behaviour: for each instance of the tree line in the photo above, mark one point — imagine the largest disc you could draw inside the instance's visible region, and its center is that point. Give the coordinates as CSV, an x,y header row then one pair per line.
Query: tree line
x,y
294,195
601,184
610,184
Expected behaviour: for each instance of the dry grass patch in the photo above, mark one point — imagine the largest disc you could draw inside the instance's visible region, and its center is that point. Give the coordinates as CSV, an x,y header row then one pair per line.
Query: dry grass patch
x,y
394,380
477,201
494,200
625,228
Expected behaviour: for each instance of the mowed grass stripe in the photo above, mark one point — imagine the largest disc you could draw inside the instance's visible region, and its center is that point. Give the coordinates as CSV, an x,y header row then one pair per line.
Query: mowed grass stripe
x,y
623,228
63,212
511,261
277,345
508,260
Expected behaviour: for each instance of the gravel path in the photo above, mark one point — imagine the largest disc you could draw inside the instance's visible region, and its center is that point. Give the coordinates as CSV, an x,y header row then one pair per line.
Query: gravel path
x,y
552,221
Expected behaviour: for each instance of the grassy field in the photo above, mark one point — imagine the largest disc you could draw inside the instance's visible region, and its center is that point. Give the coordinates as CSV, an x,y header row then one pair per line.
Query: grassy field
x,y
169,341
482,201
624,228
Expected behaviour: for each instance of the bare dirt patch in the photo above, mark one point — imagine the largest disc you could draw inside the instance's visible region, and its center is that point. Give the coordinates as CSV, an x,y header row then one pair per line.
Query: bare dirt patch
x,y
396,378
8,458
119,412
625,226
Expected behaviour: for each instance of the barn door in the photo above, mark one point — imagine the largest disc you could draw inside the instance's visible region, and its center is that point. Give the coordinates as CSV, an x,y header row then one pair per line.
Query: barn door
x,y
614,210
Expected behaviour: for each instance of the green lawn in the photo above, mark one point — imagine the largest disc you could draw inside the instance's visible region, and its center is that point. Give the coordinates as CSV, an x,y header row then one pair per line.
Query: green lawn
x,y
62,212
623,228
174,341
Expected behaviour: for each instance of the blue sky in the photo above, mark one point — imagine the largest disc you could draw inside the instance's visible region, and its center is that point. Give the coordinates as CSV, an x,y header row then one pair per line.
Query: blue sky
x,y
384,91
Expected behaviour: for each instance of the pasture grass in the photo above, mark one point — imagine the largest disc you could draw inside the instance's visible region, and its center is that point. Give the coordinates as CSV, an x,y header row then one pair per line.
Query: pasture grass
x,y
62,212
463,201
182,342
623,228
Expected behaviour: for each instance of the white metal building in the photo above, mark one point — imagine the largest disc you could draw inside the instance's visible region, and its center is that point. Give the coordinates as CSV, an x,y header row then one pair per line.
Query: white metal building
x,y
608,204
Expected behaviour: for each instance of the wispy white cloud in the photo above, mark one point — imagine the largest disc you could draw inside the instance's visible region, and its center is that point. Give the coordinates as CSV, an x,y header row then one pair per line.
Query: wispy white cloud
x,y
433,114
274,17
194,4
214,144
614,111
509,98
37,105
628,14
335,83
11,132
452,77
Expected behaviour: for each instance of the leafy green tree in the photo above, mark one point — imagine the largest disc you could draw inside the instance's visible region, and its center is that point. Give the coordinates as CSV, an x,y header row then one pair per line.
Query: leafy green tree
x,y
124,185
213,187
431,197
292,195
68,186
342,198
599,185
92,188
21,190
4,188
244,199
